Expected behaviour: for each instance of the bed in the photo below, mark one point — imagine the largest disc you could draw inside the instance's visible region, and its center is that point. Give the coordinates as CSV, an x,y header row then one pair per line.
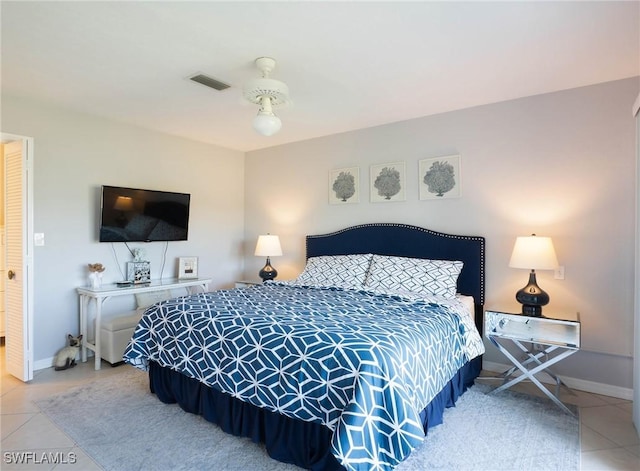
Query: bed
x,y
345,367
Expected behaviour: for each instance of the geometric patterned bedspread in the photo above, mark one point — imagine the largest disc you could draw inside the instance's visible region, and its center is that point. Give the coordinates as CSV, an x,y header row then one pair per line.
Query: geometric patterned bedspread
x,y
362,364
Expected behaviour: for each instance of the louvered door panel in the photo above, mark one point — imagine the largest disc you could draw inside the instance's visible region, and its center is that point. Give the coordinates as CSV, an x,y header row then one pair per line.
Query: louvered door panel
x,y
17,347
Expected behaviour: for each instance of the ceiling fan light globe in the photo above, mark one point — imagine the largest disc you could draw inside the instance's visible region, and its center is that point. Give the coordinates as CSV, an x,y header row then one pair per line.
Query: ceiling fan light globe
x,y
267,124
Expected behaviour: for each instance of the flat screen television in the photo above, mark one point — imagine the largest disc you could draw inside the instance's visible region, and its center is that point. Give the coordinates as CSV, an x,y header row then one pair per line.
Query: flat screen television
x,y
135,215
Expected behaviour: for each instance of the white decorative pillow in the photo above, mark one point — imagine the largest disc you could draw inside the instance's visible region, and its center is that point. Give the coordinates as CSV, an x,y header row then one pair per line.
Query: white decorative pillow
x,y
343,271
144,300
434,277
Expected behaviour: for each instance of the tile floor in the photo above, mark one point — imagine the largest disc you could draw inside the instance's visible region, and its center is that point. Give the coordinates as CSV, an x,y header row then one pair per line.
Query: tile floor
x,y
608,438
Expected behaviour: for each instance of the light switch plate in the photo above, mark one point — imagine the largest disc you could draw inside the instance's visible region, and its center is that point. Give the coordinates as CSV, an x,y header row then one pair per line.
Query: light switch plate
x,y
38,238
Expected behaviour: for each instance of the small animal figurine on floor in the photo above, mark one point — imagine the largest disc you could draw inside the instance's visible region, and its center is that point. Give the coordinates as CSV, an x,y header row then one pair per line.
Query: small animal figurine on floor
x,y
66,357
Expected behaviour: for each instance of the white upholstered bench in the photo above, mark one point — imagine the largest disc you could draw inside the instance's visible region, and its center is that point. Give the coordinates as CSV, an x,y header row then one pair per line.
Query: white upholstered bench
x,y
117,330
115,333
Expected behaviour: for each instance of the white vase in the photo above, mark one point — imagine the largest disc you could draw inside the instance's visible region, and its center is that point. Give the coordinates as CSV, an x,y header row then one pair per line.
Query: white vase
x,y
95,279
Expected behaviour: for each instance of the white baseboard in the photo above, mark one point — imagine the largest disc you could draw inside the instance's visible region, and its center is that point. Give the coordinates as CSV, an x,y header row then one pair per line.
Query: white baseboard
x,y
574,383
48,362
43,364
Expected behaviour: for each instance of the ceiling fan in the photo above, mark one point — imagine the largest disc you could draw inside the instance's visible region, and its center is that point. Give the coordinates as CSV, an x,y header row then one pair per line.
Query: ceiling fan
x,y
268,93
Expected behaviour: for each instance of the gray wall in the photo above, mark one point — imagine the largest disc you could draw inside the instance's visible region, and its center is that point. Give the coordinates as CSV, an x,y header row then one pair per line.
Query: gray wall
x,y
559,164
74,155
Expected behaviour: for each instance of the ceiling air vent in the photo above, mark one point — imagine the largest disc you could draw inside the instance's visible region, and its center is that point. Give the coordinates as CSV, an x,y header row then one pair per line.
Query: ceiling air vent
x,y
209,82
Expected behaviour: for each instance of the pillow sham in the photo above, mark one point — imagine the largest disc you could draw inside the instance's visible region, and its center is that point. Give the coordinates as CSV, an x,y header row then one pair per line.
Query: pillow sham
x,y
433,277
343,271
144,300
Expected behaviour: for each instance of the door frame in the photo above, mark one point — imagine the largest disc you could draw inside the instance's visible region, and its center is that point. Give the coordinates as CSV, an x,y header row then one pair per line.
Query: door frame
x,y
27,237
636,357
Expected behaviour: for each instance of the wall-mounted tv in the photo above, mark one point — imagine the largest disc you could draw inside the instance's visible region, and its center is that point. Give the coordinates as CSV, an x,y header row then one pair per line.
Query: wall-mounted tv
x,y
135,215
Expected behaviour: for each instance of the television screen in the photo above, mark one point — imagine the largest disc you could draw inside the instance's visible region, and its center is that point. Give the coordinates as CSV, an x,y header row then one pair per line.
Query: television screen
x,y
134,215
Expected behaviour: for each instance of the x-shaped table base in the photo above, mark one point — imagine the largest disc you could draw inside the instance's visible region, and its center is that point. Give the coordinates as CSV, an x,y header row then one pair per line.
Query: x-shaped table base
x,y
527,373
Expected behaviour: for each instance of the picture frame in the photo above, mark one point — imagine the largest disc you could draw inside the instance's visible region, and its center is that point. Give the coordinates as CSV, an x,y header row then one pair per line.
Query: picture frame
x,y
139,272
440,177
344,185
187,267
388,182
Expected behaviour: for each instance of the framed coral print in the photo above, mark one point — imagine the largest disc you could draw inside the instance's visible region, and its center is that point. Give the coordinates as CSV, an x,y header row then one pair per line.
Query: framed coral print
x,y
139,272
344,185
440,178
187,267
388,182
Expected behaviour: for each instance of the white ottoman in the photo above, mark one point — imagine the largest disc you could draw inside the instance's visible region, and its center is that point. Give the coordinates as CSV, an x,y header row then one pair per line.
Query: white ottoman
x,y
117,330
115,333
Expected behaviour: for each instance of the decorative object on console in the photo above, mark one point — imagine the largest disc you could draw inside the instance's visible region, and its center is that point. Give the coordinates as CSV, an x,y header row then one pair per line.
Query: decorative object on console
x,y
267,93
388,182
533,253
268,246
139,255
95,275
139,272
187,267
440,177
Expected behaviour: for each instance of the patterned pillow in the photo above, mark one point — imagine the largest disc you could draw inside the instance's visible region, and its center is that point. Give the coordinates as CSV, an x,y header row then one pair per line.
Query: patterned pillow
x,y
436,277
343,271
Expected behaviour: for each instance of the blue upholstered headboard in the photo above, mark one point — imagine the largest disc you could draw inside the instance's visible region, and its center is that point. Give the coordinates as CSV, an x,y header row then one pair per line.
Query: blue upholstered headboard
x,y
411,241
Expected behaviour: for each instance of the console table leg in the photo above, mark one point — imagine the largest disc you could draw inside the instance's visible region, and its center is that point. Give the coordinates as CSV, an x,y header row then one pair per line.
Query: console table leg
x,y
96,336
84,301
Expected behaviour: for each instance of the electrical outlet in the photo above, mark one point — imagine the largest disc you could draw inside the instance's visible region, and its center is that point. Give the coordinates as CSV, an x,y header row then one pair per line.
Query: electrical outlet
x,y
559,273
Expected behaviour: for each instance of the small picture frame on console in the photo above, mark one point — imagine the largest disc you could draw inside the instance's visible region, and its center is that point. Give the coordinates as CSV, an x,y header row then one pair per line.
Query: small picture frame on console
x,y
139,272
187,267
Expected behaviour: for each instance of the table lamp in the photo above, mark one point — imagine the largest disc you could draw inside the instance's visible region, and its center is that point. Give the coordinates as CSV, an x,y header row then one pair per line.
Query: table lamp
x,y
533,253
268,246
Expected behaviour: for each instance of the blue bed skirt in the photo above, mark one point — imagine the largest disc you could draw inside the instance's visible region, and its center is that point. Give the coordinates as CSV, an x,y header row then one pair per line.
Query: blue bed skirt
x,y
304,444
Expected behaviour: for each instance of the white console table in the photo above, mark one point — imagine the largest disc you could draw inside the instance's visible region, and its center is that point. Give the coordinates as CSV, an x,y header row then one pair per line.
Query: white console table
x,y
107,291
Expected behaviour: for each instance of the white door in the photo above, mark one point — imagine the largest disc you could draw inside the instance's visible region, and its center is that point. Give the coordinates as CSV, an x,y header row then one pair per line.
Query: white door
x,y
19,257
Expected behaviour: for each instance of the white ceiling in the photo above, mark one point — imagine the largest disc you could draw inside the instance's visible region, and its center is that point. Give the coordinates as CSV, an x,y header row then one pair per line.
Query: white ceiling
x,y
348,65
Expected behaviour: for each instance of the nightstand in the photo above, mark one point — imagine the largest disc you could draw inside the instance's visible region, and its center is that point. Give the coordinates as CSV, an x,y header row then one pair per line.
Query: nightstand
x,y
543,336
247,283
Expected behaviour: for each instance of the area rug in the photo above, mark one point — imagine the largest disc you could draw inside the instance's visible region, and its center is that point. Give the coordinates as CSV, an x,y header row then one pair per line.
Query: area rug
x,y
122,426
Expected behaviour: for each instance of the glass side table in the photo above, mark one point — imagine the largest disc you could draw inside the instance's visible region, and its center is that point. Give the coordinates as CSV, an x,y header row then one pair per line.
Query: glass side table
x,y
542,336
